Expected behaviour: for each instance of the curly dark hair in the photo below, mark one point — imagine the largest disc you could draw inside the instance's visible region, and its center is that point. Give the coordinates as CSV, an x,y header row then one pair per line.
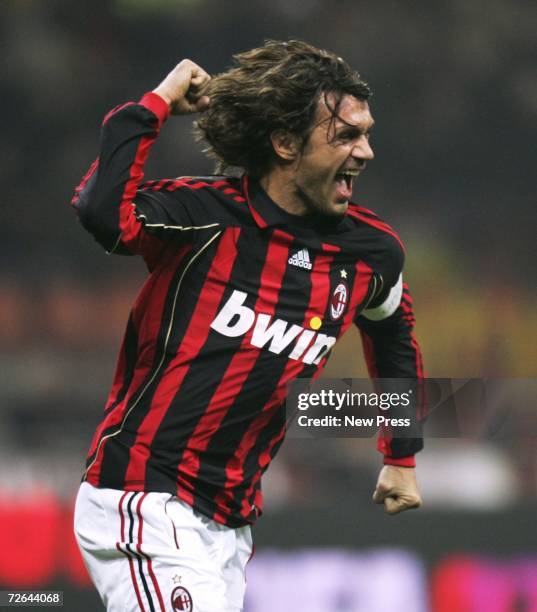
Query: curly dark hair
x,y
276,86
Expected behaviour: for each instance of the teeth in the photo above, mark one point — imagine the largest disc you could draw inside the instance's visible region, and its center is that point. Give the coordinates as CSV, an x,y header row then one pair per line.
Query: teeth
x,y
351,173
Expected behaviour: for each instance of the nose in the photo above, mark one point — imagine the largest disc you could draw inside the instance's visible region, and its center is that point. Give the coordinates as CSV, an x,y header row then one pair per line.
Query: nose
x,y
362,149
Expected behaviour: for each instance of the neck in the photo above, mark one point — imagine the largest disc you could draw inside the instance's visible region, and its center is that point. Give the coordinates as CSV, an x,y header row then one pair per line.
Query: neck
x,y
281,189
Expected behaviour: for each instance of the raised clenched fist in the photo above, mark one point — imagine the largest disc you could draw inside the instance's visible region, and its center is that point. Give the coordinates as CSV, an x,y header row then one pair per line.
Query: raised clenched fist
x,y
183,88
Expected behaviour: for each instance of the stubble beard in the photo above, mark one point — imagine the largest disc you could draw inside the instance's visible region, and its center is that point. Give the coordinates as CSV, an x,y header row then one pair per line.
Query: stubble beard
x,y
316,205
326,206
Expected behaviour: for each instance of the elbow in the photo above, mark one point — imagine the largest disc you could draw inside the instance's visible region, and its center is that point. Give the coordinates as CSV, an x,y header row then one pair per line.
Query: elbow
x,y
85,201
97,218
86,212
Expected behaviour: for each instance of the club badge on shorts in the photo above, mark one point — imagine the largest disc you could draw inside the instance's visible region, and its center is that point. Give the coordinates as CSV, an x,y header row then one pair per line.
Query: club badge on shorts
x,y
181,600
338,301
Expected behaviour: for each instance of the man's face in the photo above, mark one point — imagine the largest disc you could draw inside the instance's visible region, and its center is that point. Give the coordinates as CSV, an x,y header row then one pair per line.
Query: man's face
x,y
333,156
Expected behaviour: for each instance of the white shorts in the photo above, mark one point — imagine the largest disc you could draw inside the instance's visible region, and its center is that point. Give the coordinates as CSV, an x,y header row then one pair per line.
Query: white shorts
x,y
154,553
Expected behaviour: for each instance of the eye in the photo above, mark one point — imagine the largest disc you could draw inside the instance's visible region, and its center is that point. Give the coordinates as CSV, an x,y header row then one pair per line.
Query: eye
x,y
347,135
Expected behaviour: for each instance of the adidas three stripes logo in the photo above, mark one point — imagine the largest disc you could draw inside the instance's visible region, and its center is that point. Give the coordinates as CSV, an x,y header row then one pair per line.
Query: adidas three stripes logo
x,y
301,259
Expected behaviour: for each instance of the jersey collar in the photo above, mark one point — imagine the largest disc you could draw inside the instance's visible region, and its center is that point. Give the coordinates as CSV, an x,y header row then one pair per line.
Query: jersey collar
x,y
266,213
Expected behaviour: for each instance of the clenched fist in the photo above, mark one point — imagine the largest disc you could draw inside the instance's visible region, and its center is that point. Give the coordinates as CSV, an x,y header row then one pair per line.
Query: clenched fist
x,y
183,88
397,489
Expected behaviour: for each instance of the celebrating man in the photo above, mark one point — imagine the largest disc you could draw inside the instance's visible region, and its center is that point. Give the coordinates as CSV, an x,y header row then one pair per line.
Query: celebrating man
x,y
252,280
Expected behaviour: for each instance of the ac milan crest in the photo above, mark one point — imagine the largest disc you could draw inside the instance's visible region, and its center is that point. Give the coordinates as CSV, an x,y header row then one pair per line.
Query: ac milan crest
x,y
339,299
181,600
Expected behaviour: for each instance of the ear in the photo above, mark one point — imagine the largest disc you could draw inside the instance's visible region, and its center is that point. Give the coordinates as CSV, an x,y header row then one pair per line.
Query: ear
x,y
286,145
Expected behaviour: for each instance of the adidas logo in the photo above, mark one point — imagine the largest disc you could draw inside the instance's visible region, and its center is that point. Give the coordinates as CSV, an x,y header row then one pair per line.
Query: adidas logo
x,y
301,259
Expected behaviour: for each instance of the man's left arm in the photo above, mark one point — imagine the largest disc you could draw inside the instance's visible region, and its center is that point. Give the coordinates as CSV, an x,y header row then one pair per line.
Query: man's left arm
x,y
392,352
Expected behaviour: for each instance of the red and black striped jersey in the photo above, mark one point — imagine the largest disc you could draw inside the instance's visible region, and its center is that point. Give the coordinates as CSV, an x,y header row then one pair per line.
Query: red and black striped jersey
x,y
241,298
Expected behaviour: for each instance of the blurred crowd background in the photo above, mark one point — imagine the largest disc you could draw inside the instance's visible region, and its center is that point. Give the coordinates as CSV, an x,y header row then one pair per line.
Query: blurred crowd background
x,y
455,101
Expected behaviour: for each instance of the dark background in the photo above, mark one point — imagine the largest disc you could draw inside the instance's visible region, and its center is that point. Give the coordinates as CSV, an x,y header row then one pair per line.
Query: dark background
x,y
455,102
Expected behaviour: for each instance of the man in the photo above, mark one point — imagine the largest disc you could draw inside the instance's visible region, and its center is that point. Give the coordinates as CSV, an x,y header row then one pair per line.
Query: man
x,y
240,300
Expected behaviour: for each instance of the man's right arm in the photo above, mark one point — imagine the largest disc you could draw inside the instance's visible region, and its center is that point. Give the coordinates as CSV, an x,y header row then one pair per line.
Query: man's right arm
x,y
104,200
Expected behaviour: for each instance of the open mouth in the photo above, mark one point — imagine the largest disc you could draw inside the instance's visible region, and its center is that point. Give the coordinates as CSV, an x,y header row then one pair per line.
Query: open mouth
x,y
344,181
348,177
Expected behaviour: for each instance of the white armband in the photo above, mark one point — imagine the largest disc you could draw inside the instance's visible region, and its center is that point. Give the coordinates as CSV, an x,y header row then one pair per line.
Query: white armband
x,y
390,304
